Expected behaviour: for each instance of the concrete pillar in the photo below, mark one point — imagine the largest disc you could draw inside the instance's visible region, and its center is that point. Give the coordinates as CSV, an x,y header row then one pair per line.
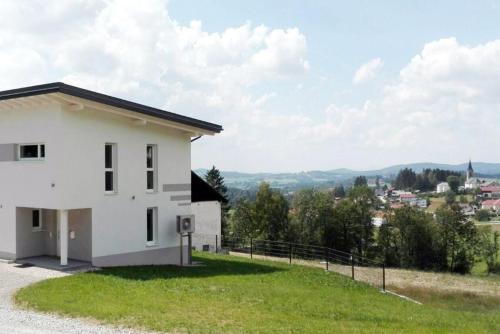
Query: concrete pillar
x,y
63,226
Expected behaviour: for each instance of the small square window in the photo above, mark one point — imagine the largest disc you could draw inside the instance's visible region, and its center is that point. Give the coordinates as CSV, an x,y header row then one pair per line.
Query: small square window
x,y
31,151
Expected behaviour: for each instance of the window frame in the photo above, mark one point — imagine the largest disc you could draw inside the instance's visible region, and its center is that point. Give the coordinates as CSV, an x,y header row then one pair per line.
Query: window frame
x,y
40,221
39,150
153,168
112,169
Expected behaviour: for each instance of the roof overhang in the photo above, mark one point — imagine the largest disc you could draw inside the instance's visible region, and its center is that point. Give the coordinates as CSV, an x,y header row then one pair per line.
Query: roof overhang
x,y
77,99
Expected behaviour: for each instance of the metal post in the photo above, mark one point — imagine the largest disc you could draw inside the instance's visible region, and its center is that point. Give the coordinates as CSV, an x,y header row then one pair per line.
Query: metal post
x,y
290,253
352,267
251,248
216,243
181,251
190,250
327,257
383,277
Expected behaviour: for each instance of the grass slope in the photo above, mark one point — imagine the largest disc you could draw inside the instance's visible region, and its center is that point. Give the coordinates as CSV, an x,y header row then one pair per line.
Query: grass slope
x,y
235,295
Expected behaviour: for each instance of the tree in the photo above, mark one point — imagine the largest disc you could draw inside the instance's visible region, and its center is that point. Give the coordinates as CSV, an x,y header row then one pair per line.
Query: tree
x,y
244,224
489,244
312,212
360,181
265,218
450,197
339,191
214,178
271,212
408,239
453,182
405,179
458,239
483,215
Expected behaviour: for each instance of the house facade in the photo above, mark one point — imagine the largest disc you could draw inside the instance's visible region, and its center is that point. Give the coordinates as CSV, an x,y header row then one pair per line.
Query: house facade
x,y
443,187
91,177
491,204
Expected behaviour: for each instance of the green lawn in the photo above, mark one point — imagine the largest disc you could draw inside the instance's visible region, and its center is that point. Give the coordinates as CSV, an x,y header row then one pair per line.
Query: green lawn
x,y
237,295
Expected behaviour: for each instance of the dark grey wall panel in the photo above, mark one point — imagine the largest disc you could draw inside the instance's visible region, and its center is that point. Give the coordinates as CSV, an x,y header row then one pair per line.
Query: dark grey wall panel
x,y
8,152
177,187
180,198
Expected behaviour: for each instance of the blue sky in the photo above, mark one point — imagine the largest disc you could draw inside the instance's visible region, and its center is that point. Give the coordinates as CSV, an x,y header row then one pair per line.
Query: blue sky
x,y
298,85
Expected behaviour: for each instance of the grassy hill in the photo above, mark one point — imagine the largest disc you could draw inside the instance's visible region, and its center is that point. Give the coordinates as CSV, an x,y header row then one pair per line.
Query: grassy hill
x,y
237,295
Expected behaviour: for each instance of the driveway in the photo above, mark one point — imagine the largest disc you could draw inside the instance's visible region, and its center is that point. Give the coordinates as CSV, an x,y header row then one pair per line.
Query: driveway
x,y
15,321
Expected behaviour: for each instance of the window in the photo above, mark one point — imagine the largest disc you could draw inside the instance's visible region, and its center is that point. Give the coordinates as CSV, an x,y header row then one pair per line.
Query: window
x,y
151,226
110,168
151,168
36,220
31,151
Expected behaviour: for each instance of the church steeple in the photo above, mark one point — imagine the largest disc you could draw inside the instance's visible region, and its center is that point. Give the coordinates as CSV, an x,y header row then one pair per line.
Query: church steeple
x,y
470,171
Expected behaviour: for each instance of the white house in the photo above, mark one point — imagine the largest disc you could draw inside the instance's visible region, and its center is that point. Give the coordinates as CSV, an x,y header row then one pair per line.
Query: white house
x,y
408,198
442,187
206,206
91,177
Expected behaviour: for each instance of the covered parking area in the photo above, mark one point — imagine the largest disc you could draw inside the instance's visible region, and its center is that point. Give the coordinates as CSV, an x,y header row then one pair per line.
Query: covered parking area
x,y
53,236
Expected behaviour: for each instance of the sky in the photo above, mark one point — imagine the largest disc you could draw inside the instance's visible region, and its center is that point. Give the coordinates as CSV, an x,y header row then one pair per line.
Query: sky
x,y
297,85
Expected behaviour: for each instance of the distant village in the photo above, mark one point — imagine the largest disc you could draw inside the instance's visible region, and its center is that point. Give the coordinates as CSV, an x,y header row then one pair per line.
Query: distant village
x,y
475,195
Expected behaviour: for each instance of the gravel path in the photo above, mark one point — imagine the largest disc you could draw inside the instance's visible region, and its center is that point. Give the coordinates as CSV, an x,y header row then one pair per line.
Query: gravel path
x,y
15,321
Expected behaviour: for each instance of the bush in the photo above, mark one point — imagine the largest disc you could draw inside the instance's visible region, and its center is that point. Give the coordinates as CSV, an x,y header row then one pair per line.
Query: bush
x,y
483,215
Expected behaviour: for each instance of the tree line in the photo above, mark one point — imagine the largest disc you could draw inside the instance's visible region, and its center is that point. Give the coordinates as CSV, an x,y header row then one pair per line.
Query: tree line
x,y
427,180
342,219
410,238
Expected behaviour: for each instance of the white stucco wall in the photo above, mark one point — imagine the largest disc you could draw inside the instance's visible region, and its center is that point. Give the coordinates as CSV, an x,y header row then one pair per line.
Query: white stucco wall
x,y
28,183
72,175
208,223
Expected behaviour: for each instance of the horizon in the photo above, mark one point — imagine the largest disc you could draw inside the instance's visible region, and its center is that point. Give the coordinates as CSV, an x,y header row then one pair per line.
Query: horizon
x,y
349,169
296,85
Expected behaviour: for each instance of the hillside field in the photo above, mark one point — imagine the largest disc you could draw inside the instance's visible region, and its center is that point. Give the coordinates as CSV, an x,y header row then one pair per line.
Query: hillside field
x,y
237,295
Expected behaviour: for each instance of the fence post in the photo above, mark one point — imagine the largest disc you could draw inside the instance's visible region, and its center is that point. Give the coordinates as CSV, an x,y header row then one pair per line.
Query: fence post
x,y
352,267
216,243
251,247
383,276
327,251
290,253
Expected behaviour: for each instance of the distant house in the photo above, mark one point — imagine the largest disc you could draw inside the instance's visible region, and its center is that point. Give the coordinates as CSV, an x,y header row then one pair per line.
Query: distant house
x,y
410,199
491,204
490,191
443,187
422,203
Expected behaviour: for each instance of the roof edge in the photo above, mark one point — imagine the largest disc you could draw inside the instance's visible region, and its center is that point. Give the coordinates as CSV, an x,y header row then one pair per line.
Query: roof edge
x,y
60,87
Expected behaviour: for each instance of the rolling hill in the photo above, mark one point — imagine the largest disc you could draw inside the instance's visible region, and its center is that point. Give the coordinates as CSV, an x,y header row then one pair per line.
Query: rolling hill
x,y
328,178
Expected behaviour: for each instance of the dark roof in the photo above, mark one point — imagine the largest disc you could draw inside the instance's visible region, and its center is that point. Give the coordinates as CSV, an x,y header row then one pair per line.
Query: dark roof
x,y
59,87
201,191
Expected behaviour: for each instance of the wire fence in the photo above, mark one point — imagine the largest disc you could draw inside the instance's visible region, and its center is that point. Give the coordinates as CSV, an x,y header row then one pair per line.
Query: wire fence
x,y
353,265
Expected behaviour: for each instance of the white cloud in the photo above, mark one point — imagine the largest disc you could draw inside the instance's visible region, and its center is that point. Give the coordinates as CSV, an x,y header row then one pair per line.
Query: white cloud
x,y
443,107
444,103
367,71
